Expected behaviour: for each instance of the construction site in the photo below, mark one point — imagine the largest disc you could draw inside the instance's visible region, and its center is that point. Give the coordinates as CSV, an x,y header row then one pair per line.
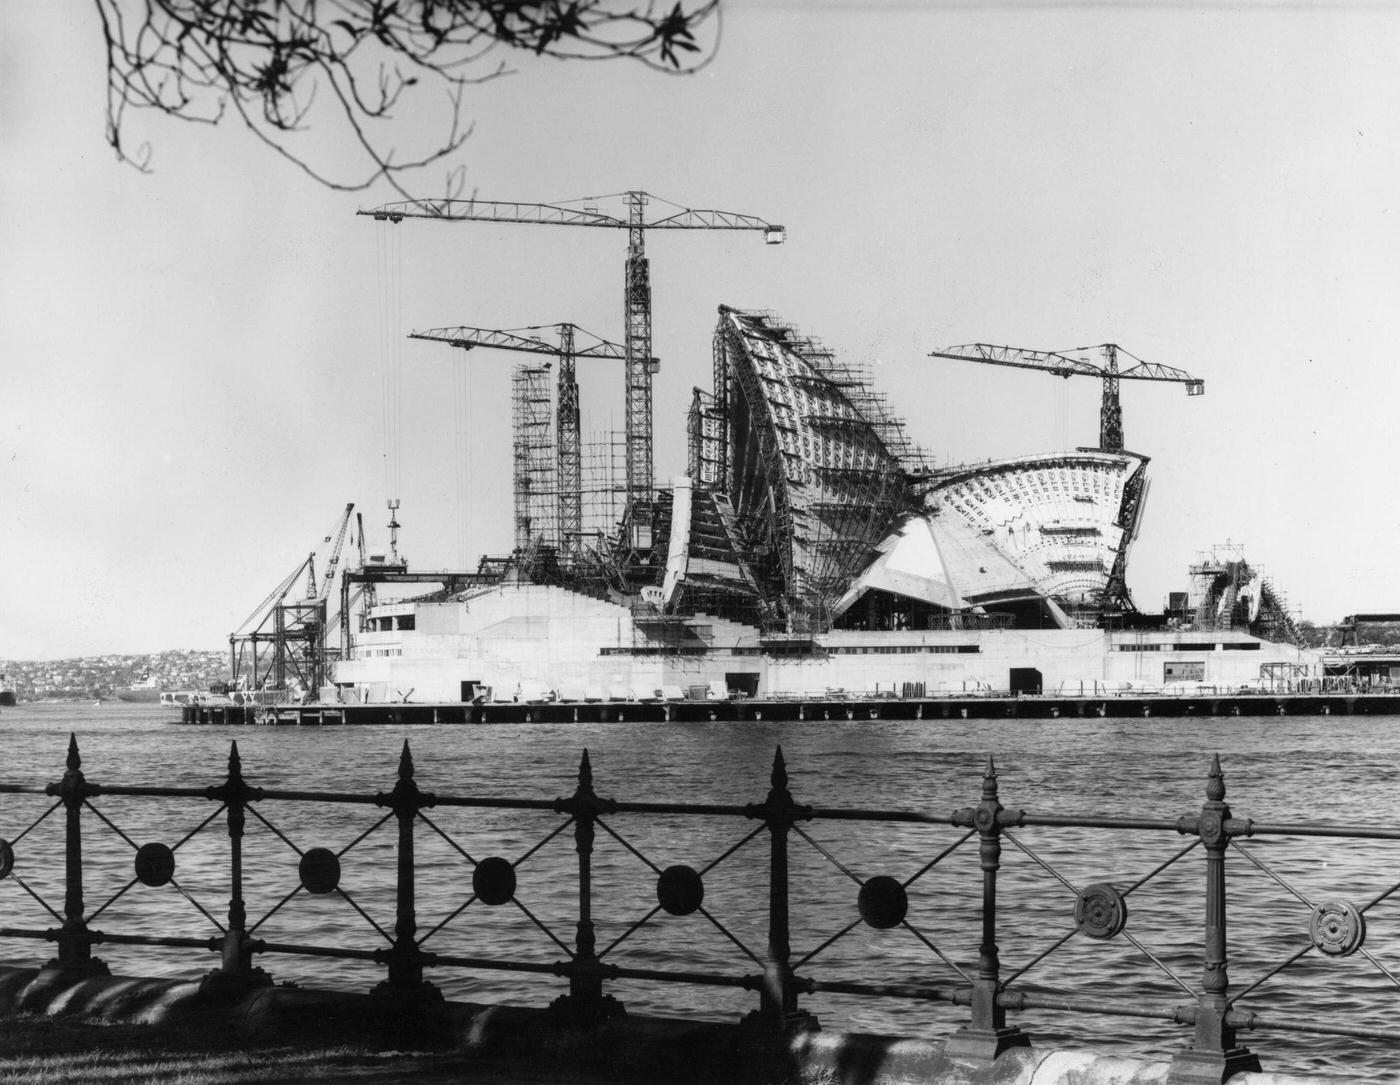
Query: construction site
x,y
808,532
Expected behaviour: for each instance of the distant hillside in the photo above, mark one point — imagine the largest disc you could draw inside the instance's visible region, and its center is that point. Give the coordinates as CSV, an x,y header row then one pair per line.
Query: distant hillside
x,y
100,677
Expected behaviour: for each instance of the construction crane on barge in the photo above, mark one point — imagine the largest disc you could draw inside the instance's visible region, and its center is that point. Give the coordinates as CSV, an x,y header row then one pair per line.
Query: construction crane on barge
x,y
641,364
567,438
295,629
1061,364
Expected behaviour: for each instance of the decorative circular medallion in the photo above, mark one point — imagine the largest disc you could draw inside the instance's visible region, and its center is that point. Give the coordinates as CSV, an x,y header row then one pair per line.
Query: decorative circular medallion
x,y
1210,827
320,871
493,881
1100,911
680,890
7,858
883,902
1337,928
155,864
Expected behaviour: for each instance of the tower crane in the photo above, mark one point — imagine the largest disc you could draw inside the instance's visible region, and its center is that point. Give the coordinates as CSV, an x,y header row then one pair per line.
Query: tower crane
x,y
641,364
570,495
1061,364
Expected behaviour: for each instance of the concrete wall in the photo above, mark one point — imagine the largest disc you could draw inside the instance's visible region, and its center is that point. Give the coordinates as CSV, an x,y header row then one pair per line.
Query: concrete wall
x,y
529,638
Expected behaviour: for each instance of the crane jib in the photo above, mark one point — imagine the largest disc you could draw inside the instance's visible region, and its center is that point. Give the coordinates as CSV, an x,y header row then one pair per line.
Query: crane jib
x,y
551,214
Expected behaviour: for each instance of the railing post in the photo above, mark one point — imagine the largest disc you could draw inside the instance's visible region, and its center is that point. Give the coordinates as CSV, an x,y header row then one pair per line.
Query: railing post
x,y
988,1034
414,999
778,1010
585,1004
235,973
1214,1054
73,938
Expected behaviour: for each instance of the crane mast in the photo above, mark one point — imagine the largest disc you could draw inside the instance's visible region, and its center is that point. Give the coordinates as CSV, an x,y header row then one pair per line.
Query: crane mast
x,y
640,369
641,365
1062,364
568,456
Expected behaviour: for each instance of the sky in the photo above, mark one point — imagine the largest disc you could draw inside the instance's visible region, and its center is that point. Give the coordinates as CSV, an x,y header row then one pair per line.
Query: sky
x,y
200,366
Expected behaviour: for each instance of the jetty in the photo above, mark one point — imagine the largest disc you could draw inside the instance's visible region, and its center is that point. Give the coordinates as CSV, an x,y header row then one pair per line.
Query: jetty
x,y
686,710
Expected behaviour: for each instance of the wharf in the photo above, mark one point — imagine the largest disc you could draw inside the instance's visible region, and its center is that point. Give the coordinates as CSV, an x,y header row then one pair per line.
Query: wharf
x,y
313,714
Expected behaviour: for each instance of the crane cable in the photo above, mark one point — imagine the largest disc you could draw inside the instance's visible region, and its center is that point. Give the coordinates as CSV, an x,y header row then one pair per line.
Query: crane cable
x,y
462,456
390,266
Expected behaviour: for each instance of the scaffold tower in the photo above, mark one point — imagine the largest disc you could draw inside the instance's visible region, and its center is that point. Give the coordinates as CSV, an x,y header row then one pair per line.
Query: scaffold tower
x,y
533,447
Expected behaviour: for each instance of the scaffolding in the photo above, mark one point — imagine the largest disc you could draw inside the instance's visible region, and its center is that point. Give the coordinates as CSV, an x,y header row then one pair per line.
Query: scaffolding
x,y
818,469
705,431
534,458
1227,593
603,489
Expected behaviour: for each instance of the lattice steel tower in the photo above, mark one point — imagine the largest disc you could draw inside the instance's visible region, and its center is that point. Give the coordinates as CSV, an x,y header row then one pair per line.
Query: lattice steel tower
x,y
641,364
533,456
570,482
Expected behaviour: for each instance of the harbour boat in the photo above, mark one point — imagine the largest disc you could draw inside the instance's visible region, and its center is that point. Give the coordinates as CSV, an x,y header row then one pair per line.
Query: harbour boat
x,y
146,691
7,692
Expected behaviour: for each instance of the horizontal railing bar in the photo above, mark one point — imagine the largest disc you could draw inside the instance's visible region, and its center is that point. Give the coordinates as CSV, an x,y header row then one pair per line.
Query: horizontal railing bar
x,y
707,979
488,963
155,940
556,968
313,951
173,941
606,971
913,816
735,810
1295,1024
1019,1000
1073,821
958,996
319,796
115,939
682,808
492,803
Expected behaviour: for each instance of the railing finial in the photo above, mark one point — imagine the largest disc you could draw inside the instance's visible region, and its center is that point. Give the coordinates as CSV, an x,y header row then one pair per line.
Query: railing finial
x,y
779,779
406,762
989,779
585,771
75,761
1215,782
235,762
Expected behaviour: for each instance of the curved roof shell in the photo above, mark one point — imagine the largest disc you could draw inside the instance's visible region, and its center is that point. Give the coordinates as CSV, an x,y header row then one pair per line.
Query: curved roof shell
x,y
1065,519
810,461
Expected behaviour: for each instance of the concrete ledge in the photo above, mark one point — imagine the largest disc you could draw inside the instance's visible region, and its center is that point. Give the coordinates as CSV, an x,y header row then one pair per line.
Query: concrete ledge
x,y
530,1040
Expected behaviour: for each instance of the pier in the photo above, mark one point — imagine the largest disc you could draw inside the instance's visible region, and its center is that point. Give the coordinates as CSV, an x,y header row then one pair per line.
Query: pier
x,y
316,714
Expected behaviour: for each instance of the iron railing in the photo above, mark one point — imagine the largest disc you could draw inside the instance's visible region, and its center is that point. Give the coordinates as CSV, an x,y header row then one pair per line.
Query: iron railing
x,y
1095,914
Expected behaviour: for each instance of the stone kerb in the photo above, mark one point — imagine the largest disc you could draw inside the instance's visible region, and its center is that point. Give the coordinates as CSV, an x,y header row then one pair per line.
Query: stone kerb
x,y
519,1038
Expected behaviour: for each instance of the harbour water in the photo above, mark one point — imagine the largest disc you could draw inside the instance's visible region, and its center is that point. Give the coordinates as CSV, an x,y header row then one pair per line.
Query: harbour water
x,y
1277,769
